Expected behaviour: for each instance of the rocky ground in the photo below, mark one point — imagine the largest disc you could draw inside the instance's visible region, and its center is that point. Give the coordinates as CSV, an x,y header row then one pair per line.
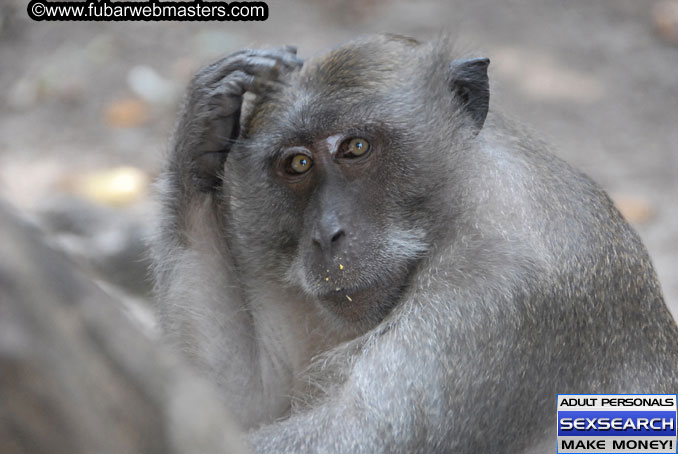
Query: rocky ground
x,y
86,108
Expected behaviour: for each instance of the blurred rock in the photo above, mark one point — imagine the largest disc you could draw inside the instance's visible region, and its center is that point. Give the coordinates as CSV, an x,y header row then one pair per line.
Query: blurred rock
x,y
127,113
79,377
109,241
102,220
665,18
635,209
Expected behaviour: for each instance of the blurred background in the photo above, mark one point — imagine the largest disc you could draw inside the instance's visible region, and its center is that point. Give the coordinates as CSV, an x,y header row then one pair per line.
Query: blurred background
x,y
86,108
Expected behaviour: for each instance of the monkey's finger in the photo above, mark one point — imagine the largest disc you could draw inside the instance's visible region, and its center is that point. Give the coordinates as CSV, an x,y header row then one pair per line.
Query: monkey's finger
x,y
287,55
256,76
234,86
273,53
293,61
255,66
283,59
264,63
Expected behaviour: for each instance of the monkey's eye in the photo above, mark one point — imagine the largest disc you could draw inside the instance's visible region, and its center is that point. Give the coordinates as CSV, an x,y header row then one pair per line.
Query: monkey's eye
x,y
355,147
300,163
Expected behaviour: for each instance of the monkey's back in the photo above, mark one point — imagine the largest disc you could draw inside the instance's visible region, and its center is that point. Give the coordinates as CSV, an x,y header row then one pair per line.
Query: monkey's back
x,y
601,295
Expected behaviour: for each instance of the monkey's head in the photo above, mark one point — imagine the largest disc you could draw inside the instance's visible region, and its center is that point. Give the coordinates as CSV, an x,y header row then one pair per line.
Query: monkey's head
x,y
334,186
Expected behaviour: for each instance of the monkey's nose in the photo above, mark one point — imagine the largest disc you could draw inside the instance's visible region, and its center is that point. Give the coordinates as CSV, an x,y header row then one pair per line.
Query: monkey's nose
x,y
328,237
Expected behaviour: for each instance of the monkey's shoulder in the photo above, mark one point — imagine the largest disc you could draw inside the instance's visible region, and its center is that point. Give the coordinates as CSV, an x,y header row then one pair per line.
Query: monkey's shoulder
x,y
529,190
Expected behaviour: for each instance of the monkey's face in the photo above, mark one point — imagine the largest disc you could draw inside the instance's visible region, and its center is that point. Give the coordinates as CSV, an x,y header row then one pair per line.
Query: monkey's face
x,y
335,220
332,184
353,254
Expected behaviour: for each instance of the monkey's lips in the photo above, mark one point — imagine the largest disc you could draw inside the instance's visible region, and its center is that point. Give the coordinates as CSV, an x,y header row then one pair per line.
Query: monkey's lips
x,y
362,307
342,284
357,295
343,295
350,303
344,292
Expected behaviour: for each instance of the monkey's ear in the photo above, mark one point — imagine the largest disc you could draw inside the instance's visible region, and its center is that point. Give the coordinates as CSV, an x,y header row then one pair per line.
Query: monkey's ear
x,y
471,85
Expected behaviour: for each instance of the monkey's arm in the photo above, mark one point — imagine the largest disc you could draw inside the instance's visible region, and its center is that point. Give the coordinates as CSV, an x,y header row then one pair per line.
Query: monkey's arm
x,y
417,383
203,309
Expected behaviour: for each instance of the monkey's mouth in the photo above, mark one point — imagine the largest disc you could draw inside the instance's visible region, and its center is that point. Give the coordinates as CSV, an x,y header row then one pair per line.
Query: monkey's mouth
x,y
352,303
353,286
351,291
345,291
348,292
344,295
366,306
348,283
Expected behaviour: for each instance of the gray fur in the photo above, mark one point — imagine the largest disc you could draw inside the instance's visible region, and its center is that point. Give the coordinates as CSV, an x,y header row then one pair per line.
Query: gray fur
x,y
497,275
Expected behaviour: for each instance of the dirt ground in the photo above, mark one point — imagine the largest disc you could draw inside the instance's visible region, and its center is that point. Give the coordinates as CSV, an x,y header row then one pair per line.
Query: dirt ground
x,y
595,78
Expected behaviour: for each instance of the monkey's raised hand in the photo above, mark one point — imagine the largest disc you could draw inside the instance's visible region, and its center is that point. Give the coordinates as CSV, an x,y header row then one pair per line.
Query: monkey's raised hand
x,y
206,130
210,116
